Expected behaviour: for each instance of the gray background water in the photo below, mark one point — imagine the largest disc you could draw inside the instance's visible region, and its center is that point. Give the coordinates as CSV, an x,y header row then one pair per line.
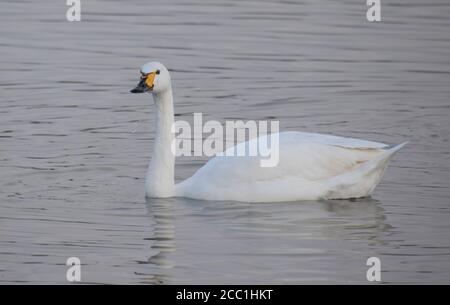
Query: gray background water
x,y
74,144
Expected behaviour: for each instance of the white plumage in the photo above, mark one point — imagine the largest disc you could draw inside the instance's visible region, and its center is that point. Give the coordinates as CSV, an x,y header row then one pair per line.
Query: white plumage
x,y
311,166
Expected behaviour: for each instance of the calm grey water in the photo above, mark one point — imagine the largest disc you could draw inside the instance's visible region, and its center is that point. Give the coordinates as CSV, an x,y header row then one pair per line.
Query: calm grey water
x,y
74,144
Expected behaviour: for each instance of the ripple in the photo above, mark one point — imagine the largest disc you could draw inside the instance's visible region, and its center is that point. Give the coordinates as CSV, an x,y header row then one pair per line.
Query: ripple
x,y
72,171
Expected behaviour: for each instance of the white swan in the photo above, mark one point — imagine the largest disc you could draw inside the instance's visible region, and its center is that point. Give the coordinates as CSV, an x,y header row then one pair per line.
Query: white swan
x,y
311,166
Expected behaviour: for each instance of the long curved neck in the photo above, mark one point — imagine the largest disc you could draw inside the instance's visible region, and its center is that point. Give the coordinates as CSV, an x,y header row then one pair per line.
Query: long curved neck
x,y
160,175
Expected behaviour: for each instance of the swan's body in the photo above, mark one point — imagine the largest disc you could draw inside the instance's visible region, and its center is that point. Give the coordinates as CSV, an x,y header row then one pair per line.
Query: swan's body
x,y
311,166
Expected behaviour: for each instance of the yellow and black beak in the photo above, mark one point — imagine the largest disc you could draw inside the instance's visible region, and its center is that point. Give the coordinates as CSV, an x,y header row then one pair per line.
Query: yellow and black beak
x,y
146,83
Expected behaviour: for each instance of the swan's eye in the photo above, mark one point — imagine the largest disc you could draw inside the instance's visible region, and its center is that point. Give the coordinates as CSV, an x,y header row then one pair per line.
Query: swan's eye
x,y
144,76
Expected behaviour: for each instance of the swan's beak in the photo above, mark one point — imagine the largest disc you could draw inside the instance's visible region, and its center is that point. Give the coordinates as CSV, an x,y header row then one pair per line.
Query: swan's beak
x,y
145,84
140,88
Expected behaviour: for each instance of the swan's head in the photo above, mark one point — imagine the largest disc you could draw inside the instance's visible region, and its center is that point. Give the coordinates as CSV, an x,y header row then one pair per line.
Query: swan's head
x,y
155,78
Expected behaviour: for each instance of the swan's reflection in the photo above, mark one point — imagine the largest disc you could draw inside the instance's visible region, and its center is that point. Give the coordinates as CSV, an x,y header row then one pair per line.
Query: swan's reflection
x,y
339,219
161,212
362,219
249,241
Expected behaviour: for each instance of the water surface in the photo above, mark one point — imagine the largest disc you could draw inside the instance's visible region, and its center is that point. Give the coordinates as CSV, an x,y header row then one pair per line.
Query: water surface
x,y
74,144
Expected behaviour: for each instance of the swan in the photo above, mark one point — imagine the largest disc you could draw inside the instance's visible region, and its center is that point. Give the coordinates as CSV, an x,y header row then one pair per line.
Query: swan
x,y
311,166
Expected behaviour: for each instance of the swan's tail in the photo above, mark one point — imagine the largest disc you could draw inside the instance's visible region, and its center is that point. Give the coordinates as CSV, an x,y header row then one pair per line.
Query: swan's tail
x,y
362,181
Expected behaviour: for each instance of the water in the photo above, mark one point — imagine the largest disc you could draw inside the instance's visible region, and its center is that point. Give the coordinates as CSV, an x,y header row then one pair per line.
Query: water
x,y
74,144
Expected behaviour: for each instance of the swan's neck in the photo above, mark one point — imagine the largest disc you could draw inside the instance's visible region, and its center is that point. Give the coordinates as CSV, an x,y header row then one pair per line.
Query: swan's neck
x,y
160,175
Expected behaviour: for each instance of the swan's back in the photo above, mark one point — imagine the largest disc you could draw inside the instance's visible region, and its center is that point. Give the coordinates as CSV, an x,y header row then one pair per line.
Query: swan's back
x,y
311,166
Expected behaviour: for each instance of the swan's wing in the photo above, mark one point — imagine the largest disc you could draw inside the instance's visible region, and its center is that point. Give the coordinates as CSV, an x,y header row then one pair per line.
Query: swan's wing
x,y
303,157
333,140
